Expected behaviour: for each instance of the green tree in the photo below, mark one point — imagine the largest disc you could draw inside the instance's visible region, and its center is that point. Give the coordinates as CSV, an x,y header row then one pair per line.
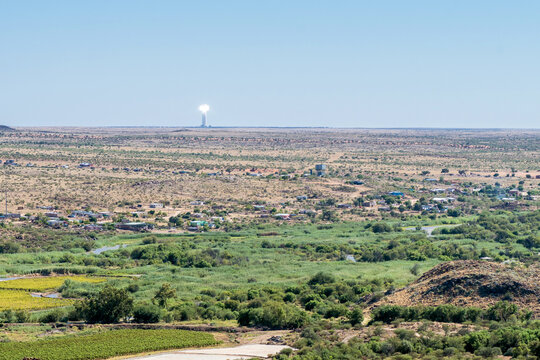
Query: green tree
x,y
381,227
415,270
502,311
329,215
110,305
146,314
165,293
530,242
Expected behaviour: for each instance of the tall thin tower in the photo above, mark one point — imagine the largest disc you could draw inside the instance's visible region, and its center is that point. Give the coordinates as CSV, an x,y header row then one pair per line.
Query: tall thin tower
x,y
203,124
204,109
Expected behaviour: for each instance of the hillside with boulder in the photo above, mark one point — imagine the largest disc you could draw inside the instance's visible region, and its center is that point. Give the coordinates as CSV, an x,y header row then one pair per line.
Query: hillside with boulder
x,y
472,283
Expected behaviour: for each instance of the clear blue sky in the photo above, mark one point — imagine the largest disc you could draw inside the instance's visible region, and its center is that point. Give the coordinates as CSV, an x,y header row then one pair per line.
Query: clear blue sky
x,y
432,63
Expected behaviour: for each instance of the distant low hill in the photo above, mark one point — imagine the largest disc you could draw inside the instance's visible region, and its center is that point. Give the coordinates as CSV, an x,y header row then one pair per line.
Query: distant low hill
x,y
4,128
472,283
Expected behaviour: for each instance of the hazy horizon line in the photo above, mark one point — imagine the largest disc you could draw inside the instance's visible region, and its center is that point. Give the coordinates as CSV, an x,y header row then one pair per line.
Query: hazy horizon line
x,y
259,127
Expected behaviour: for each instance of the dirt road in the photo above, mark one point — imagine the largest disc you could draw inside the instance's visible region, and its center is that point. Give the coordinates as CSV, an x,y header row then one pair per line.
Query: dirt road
x,y
247,351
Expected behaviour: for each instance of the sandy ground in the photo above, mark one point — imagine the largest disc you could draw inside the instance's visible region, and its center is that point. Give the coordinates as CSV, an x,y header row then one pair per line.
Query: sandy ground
x,y
247,351
49,172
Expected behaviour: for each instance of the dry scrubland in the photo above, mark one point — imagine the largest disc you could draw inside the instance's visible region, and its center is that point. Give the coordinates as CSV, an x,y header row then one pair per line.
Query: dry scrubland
x,y
385,158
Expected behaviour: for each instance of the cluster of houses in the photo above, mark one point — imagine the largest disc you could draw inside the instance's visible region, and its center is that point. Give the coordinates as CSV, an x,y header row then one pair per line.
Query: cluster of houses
x,y
440,199
319,170
54,219
9,216
10,162
204,222
98,221
81,166
513,194
289,216
299,215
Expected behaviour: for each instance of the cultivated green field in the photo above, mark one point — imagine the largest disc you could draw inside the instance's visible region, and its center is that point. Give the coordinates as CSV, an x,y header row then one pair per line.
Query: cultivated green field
x,y
105,344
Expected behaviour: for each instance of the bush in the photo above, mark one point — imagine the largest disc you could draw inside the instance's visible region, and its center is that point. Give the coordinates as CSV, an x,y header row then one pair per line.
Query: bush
x,y
322,278
442,313
185,312
286,351
329,215
335,310
22,316
454,212
415,270
381,227
502,311
405,347
356,316
146,314
108,306
133,288
387,313
9,247
231,304
476,340
273,315
7,316
488,352
53,316
312,304
530,242
289,297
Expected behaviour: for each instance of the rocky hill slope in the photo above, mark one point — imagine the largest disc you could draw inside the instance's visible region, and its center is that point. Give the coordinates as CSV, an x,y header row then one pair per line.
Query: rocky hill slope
x,y
472,283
